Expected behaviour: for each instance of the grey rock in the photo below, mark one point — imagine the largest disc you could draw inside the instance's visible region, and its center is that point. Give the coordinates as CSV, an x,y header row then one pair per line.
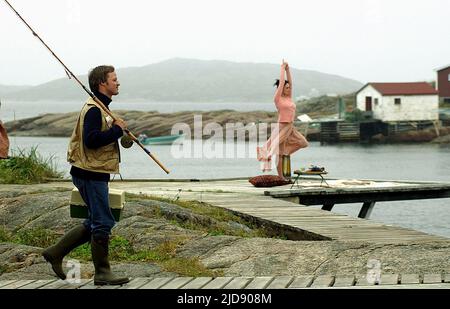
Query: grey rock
x,y
148,224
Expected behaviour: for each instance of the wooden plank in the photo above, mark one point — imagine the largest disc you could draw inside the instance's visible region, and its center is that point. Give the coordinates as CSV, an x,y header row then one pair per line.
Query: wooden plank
x,y
381,236
292,214
16,284
314,220
156,283
389,279
198,283
446,278
55,285
6,282
89,286
218,283
318,224
301,282
281,282
109,287
344,281
177,283
323,281
432,278
135,283
76,285
238,283
358,231
361,280
37,284
375,236
409,279
317,219
259,283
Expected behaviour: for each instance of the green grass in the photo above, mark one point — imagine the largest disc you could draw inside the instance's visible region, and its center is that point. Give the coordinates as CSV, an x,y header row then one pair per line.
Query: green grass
x,y
164,255
120,250
27,167
37,237
5,236
189,268
3,269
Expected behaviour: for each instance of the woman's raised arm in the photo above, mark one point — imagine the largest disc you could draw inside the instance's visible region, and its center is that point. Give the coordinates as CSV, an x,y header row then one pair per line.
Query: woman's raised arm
x,y
289,77
280,88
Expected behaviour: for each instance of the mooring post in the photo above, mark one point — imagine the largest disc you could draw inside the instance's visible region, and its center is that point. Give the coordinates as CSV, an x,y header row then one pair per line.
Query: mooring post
x,y
366,210
328,206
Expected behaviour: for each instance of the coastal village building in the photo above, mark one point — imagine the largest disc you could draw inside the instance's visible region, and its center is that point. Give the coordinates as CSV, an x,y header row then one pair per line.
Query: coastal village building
x,y
399,102
388,109
443,83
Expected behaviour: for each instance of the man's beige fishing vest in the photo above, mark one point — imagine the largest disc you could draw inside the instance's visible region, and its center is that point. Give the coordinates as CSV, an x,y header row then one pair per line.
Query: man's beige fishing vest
x,y
102,160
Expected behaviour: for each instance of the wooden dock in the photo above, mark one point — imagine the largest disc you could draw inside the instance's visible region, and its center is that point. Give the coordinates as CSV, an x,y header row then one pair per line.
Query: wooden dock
x,y
366,192
299,221
390,281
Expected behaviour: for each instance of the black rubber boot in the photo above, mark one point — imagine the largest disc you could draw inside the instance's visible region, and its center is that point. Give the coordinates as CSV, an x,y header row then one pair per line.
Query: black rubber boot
x,y
103,274
72,239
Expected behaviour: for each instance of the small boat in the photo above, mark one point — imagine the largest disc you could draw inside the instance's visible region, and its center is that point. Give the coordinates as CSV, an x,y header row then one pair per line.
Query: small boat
x,y
159,140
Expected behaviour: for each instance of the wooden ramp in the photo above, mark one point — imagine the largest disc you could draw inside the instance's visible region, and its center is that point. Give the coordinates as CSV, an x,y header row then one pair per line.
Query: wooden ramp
x,y
308,223
316,223
390,281
240,196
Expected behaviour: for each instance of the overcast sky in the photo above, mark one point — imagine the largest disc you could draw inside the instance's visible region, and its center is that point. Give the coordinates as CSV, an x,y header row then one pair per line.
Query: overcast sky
x,y
366,40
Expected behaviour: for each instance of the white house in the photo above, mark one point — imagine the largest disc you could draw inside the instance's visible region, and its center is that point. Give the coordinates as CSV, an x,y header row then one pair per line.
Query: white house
x,y
390,102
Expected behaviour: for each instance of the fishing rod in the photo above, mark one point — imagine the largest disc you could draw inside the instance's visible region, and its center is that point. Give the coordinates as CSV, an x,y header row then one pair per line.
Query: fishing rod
x,y
103,107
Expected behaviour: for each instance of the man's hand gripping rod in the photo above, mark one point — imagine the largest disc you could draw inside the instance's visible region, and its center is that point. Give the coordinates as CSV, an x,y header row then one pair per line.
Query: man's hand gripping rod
x,y
71,75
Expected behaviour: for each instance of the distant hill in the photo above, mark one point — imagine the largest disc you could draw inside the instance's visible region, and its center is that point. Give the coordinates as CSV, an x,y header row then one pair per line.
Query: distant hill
x,y
188,80
8,89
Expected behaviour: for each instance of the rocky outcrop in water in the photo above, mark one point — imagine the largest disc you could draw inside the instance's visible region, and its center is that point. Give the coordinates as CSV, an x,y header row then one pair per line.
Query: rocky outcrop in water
x,y
149,123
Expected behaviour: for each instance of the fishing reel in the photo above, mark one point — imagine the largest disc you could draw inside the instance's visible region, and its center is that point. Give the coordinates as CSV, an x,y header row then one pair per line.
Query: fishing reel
x,y
126,141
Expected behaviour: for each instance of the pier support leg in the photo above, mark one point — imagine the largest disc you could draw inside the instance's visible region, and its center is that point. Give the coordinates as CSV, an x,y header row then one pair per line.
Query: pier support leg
x,y
327,206
366,210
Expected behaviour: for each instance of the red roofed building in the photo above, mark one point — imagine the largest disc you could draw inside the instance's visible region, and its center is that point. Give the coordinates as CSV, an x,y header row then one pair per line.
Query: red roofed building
x,y
390,102
443,83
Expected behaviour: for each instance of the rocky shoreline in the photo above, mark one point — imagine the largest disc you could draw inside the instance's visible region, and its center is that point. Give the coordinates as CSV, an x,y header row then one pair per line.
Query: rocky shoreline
x,y
149,123
158,124
148,223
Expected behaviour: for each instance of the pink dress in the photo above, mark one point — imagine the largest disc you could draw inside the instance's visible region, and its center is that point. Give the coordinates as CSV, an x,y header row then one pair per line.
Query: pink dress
x,y
285,139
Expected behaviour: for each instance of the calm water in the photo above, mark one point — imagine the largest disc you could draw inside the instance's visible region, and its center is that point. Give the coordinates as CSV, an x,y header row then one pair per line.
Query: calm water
x,y
11,110
386,162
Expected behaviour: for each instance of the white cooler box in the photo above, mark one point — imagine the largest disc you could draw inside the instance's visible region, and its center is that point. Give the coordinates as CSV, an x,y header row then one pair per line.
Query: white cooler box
x,y
78,208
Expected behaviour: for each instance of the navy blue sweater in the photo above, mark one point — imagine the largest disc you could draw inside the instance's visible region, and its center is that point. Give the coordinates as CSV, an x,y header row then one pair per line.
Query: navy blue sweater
x,y
94,138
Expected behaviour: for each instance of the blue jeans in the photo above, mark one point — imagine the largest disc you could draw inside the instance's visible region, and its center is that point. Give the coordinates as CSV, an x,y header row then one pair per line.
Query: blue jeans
x,y
95,194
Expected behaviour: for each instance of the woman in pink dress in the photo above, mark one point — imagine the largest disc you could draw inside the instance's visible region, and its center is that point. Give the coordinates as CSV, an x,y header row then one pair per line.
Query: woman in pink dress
x,y
285,139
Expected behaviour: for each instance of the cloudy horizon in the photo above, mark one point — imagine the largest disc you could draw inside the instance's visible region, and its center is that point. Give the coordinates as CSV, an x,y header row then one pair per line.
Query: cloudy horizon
x,y
364,40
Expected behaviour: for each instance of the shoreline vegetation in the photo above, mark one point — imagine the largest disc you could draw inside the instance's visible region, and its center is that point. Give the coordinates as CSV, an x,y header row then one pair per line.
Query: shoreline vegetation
x,y
27,167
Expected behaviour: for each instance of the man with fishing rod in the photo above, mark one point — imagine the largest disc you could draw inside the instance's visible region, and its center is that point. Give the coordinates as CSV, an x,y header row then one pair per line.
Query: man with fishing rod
x,y
94,154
